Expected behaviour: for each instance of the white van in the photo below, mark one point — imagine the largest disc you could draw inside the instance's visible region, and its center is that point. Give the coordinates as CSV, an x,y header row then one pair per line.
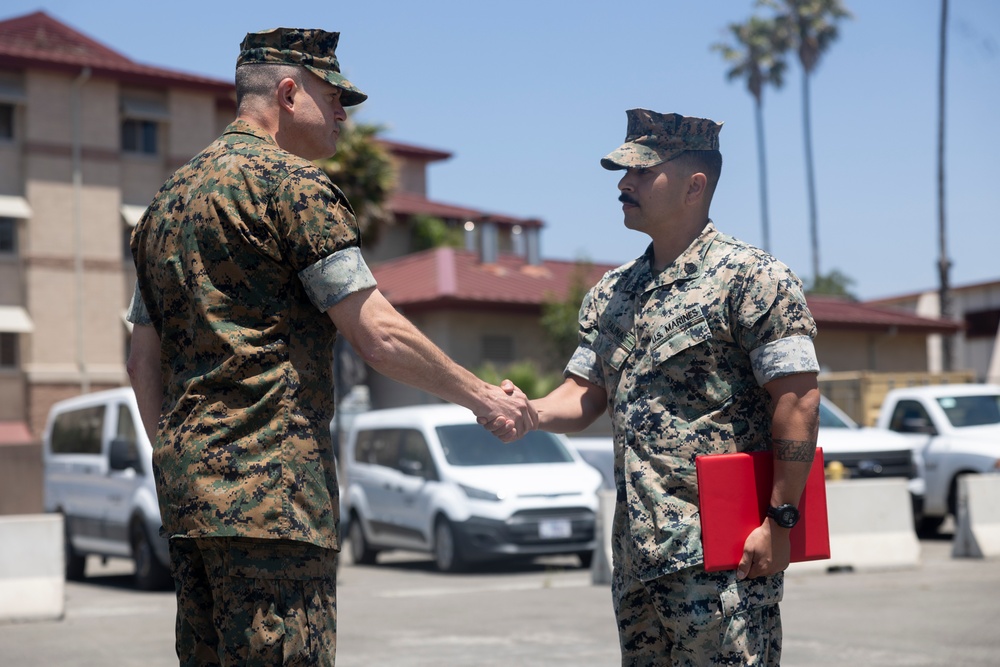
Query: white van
x,y
99,476
429,478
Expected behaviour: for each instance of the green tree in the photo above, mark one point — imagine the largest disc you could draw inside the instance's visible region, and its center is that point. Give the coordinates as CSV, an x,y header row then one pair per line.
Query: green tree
x,y
363,170
560,316
524,374
430,232
756,55
812,27
834,283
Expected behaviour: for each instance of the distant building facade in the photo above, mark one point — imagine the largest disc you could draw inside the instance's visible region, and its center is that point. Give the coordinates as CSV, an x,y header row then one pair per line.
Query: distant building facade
x,y
87,136
977,345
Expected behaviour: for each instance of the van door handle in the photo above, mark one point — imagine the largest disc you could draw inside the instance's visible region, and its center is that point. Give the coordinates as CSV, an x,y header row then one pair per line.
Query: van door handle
x,y
115,499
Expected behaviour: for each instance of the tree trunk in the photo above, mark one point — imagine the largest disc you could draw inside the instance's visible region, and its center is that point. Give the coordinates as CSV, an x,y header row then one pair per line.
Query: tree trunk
x,y
764,219
944,265
810,181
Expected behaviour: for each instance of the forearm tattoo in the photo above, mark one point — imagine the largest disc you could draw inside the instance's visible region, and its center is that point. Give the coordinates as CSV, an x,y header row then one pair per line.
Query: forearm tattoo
x,y
794,450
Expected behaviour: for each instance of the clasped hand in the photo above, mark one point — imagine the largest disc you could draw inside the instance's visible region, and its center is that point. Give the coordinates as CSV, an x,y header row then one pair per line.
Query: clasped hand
x,y
511,415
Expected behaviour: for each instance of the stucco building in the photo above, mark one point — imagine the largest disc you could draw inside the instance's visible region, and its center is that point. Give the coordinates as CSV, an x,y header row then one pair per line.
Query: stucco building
x,y
87,136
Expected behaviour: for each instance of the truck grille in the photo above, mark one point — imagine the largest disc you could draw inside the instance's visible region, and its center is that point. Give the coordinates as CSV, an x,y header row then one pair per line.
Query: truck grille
x,y
875,464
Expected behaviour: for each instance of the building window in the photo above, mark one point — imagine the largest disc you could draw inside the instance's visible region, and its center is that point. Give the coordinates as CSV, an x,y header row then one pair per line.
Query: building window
x,y
139,136
144,114
498,349
6,121
8,236
982,324
8,350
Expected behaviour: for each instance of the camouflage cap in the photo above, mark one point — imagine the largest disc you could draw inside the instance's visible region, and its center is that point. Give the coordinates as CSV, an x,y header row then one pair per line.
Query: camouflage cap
x,y
313,49
653,138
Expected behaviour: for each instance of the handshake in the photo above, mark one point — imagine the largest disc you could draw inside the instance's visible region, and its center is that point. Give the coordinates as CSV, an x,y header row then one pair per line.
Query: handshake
x,y
508,414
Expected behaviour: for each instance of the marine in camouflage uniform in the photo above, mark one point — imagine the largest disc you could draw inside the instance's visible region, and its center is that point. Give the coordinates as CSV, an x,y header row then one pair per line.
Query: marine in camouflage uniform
x,y
248,265
238,257
681,353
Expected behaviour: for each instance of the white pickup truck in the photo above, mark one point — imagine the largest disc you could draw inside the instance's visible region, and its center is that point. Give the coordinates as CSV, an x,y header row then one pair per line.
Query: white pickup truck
x,y
954,430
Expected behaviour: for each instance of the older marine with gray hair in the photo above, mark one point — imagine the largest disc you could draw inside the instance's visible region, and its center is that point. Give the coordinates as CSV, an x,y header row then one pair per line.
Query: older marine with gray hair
x,y
248,265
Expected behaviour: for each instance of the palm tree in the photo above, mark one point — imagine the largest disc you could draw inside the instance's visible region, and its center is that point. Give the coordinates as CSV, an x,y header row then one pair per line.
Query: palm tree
x,y
943,263
812,26
363,170
758,57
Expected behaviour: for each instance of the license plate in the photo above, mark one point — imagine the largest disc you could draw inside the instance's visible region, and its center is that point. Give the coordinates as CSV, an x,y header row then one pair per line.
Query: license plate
x,y
555,529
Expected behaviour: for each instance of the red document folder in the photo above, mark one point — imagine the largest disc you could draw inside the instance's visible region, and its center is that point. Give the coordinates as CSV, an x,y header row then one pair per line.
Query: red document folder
x,y
734,491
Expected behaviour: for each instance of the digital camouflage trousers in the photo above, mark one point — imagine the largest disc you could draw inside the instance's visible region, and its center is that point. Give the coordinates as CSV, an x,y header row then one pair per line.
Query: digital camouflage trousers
x,y
254,602
694,618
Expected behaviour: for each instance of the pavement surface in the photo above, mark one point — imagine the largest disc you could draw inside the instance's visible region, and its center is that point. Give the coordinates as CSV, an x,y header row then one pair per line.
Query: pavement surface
x,y
402,612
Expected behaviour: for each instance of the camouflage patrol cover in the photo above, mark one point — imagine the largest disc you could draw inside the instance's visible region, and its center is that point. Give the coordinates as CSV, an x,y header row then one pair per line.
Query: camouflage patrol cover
x,y
313,49
683,356
237,258
652,138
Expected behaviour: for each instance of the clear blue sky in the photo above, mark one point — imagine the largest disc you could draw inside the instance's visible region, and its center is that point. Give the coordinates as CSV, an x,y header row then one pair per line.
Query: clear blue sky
x,y
529,95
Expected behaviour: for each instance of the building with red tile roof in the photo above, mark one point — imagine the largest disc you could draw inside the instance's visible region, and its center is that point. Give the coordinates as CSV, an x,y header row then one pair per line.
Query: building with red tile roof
x,y
88,135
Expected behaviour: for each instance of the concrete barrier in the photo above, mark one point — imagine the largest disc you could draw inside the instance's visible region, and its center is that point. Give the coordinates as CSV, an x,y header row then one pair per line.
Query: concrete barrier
x,y
977,528
32,577
871,527
600,566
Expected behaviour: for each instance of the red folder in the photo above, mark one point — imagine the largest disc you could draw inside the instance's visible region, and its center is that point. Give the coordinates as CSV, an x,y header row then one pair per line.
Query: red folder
x,y
734,491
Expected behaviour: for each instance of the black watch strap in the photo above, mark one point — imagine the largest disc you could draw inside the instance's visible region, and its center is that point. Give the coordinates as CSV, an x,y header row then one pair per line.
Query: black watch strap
x,y
786,515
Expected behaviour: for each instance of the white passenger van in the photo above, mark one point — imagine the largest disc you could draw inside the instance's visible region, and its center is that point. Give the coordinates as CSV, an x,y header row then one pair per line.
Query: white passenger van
x,y
429,478
99,476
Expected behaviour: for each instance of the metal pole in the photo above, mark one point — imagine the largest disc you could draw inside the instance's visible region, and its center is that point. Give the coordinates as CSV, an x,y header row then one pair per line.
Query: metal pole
x,y
78,227
944,265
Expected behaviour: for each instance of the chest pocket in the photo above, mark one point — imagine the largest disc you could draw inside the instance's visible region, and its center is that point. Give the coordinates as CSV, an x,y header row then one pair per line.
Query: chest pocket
x,y
612,351
690,362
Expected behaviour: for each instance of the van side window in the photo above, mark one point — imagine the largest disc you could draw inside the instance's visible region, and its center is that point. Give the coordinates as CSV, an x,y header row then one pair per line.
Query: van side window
x,y
378,447
126,432
414,448
78,431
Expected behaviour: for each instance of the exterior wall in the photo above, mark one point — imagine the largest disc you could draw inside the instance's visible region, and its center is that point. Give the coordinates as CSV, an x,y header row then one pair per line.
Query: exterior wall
x,y
459,334
12,403
411,176
981,354
21,482
393,241
858,351
79,341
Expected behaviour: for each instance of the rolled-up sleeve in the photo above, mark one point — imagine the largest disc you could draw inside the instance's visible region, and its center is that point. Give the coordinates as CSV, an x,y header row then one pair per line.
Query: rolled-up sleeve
x,y
785,356
137,313
333,278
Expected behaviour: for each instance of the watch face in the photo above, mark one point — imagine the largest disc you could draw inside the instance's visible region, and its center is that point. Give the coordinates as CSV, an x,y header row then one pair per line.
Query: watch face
x,y
785,516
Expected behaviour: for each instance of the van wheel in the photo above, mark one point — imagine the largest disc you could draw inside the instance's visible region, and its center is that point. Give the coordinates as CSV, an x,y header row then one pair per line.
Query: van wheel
x,y
76,564
361,553
586,558
447,556
928,525
150,574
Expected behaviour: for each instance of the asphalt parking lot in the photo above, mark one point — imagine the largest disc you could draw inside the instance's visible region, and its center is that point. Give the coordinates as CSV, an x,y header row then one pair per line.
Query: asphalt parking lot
x,y
402,612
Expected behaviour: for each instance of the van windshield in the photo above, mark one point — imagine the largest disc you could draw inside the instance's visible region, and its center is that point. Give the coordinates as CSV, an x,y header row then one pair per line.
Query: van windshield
x,y
472,445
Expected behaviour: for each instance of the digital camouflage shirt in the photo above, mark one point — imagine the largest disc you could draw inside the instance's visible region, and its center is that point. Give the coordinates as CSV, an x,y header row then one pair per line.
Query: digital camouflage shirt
x,y
683,356
237,258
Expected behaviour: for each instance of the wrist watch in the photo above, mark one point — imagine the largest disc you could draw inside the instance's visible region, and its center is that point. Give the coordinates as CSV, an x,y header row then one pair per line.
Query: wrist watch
x,y
785,515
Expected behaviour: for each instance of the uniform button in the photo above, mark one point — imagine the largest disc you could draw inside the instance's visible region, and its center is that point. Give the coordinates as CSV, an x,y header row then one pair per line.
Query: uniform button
x,y
690,268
